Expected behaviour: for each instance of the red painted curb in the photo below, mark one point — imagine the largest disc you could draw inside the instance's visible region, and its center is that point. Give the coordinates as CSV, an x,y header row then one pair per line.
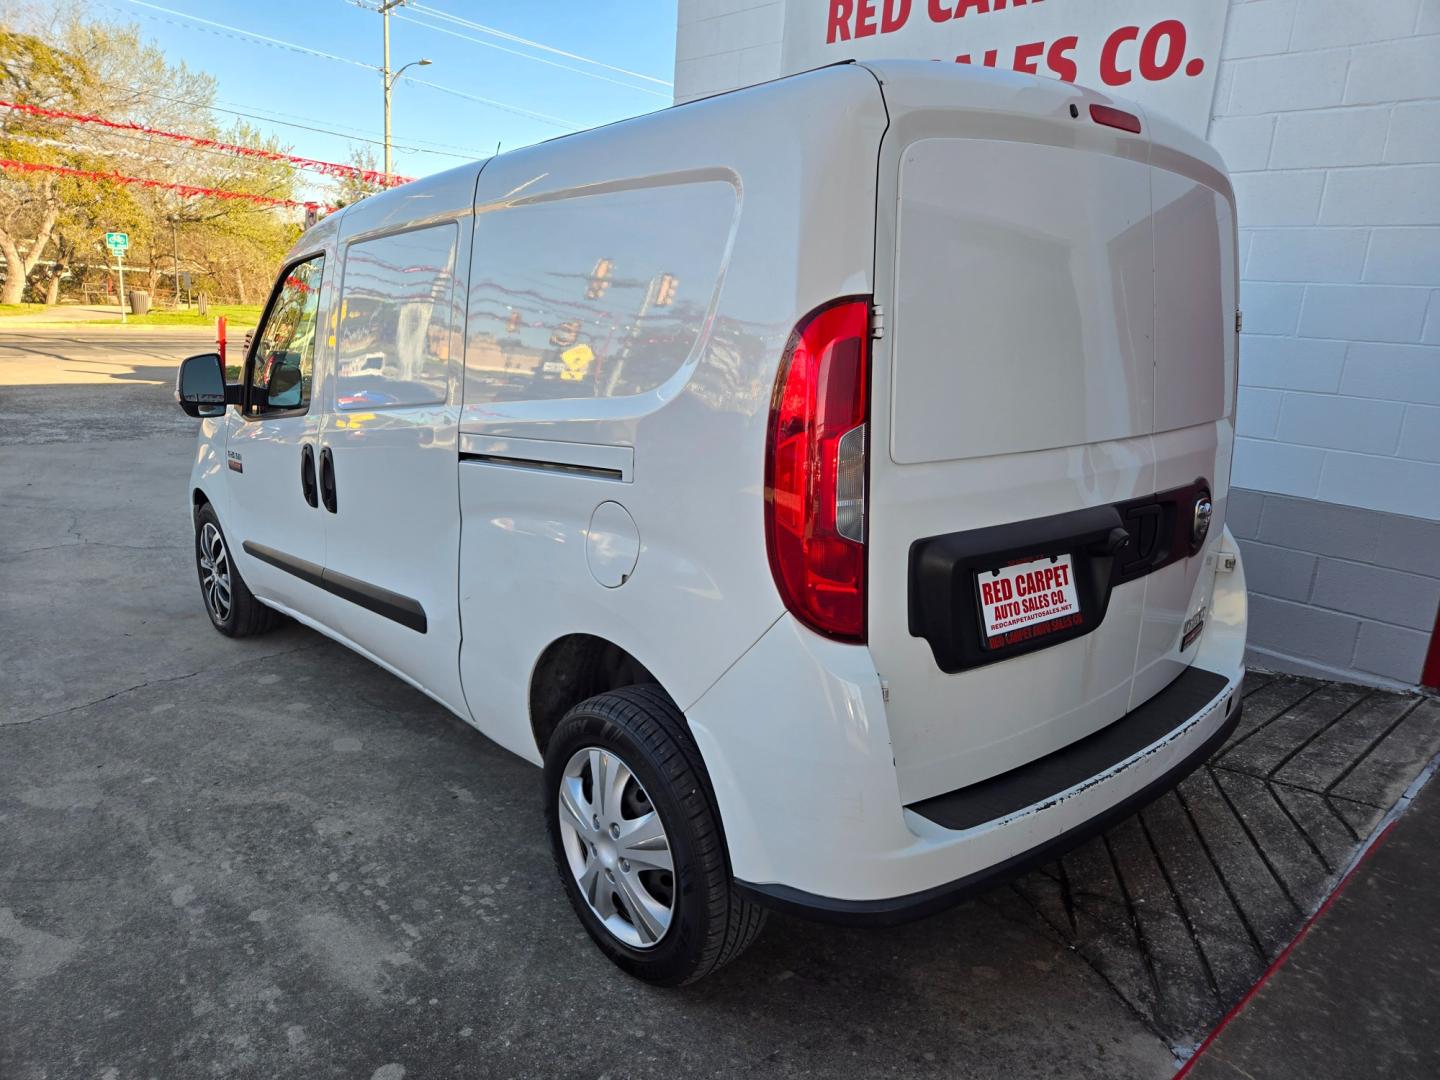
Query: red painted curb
x,y
1279,961
1430,674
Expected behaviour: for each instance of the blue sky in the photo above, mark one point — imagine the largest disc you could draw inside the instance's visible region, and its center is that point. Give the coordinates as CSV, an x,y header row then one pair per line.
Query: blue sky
x,y
534,100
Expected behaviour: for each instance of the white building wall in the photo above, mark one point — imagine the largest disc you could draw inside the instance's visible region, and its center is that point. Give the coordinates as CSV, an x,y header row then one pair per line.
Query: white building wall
x,y
722,44
1328,115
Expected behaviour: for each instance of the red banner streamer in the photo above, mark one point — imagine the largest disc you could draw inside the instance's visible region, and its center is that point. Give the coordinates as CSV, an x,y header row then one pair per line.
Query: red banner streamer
x,y
188,191
326,168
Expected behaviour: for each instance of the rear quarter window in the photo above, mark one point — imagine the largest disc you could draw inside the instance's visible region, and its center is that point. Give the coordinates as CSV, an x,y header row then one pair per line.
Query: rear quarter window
x,y
593,296
397,314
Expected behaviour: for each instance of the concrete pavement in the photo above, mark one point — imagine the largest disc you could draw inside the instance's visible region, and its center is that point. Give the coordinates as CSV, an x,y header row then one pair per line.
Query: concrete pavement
x,y
92,384
1357,995
270,858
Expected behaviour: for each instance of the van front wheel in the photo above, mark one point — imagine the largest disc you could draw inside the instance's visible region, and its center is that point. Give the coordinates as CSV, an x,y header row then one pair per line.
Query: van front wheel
x,y
637,839
232,607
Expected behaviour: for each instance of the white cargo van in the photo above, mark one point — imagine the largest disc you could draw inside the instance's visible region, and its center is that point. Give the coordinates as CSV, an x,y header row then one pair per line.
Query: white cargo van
x,y
823,481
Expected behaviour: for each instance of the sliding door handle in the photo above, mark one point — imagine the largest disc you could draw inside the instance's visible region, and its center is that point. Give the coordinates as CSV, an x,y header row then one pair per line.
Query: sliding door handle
x,y
308,485
327,479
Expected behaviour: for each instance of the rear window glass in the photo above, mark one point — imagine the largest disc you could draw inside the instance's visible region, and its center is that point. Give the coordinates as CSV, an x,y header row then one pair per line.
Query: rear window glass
x,y
593,296
396,319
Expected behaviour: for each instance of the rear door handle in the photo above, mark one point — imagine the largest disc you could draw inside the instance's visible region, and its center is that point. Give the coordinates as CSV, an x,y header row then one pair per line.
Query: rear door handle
x,y
1145,548
308,487
327,479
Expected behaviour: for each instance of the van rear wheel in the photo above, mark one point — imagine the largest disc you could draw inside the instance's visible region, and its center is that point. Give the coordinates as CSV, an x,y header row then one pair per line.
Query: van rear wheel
x,y
232,607
637,839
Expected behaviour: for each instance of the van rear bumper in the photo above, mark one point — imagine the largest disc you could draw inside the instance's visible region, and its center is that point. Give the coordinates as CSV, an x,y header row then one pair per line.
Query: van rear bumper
x,y
797,747
892,911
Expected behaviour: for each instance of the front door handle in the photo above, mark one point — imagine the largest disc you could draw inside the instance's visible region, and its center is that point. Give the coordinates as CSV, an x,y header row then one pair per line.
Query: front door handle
x,y
308,487
327,479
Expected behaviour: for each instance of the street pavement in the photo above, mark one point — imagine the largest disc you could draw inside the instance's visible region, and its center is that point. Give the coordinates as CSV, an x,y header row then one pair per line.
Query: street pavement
x,y
92,384
269,858
1357,995
66,313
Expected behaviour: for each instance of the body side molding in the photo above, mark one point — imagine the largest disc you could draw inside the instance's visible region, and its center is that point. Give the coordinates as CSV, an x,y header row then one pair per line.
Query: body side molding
x,y
391,605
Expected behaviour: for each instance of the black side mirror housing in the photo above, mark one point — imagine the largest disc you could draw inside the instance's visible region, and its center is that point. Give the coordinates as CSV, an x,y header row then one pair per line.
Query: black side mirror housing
x,y
200,386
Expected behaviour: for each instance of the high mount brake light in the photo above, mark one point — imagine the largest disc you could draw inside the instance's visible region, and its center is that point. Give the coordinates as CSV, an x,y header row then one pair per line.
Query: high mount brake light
x,y
1116,118
815,469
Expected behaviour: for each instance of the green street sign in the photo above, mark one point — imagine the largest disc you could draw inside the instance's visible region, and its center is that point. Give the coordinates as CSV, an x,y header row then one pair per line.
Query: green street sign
x,y
117,241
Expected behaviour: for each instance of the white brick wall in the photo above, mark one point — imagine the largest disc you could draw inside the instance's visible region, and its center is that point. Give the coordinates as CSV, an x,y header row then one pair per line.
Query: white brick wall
x,y
722,44
1328,115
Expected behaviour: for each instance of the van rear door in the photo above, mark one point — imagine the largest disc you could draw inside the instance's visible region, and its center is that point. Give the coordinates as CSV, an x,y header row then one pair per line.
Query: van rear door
x,y
1016,391
1196,337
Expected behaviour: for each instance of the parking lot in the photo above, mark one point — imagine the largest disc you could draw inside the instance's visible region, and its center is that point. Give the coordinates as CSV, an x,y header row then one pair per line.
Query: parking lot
x,y
270,858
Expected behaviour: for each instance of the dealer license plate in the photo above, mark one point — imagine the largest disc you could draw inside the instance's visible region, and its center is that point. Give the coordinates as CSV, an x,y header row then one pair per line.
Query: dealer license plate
x,y
1026,600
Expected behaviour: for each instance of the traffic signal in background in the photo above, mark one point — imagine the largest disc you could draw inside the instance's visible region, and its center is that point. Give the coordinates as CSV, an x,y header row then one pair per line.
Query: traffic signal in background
x,y
566,334
599,280
512,321
665,288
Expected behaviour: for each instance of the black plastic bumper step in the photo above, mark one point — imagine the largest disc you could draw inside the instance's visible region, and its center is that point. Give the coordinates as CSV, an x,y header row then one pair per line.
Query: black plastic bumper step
x,y
999,796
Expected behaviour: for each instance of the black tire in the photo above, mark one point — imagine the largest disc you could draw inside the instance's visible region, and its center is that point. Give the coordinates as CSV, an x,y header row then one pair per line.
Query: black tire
x,y
711,923
244,614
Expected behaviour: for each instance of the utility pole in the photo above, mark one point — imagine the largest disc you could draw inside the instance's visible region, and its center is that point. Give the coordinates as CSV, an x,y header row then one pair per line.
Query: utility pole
x,y
386,6
385,72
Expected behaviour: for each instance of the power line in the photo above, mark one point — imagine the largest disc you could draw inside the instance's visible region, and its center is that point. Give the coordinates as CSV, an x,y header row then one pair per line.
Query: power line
x,y
425,146
544,117
225,30
238,109
231,30
527,56
506,36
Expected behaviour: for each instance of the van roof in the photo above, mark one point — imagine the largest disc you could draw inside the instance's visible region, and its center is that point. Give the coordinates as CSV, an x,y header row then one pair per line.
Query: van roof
x,y
907,85
917,84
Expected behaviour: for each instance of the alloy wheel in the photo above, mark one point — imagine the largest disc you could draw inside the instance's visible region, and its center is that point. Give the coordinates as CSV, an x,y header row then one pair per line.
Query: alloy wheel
x,y
215,572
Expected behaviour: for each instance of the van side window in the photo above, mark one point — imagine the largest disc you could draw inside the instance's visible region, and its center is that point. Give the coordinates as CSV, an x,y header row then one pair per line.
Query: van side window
x,y
283,364
396,317
593,296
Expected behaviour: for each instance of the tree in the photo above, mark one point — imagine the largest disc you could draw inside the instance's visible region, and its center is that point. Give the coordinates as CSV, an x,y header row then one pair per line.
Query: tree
x,y
31,73
65,60
351,189
241,243
77,240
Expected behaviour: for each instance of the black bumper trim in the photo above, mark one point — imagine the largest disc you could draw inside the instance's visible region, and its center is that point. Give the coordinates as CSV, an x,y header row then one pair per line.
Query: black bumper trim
x,y
1094,755
894,911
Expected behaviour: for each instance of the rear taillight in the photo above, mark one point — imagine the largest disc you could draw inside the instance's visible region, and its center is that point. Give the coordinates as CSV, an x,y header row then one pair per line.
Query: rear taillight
x,y
815,470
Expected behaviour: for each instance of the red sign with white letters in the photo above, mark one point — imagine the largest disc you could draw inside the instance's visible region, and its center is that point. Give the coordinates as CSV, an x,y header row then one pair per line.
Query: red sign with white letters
x,y
1163,54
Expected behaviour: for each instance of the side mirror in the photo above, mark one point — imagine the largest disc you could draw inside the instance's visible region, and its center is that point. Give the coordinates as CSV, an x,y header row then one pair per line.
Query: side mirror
x,y
200,385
